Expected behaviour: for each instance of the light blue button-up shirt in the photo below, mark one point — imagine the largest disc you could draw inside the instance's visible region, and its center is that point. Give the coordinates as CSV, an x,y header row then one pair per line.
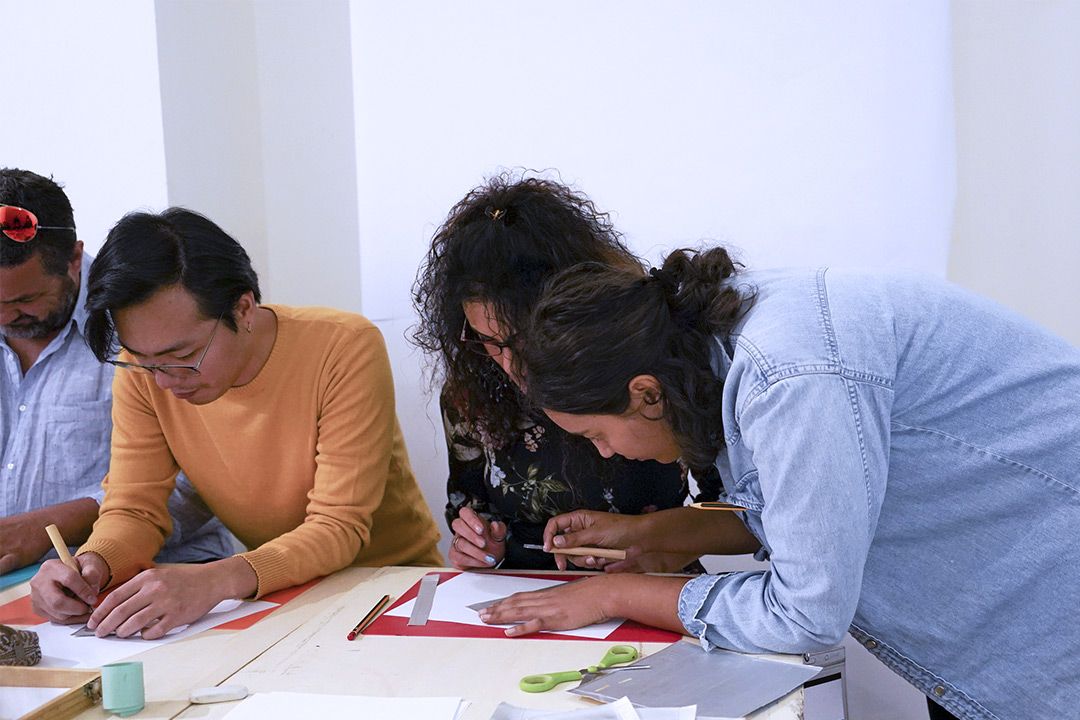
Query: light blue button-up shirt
x,y
910,457
55,426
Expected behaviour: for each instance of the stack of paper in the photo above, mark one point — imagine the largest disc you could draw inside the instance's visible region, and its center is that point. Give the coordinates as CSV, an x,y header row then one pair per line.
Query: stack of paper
x,y
722,684
290,705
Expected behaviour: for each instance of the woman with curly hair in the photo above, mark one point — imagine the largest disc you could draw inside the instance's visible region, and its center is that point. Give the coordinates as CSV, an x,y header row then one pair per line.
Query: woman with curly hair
x,y
511,469
907,456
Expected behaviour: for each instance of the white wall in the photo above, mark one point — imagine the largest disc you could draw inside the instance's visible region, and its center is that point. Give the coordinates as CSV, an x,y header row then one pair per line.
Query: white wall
x,y
83,106
802,135
1017,236
259,137
211,119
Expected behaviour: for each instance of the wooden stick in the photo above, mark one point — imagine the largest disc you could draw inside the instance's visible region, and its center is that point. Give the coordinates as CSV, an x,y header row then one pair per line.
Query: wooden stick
x,y
608,553
717,506
61,547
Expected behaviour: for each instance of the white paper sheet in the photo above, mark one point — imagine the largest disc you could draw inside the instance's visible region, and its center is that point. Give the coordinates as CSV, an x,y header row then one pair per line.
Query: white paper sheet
x,y
269,706
453,597
17,701
60,649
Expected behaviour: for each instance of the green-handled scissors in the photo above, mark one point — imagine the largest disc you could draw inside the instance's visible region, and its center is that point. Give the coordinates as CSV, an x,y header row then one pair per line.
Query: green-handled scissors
x,y
616,655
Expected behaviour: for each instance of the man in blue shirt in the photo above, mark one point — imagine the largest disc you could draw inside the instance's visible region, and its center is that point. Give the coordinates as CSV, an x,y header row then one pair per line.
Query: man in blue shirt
x,y
55,397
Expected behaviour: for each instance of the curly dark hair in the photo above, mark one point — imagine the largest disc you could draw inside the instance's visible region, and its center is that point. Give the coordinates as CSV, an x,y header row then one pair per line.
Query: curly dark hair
x,y
46,199
597,327
499,245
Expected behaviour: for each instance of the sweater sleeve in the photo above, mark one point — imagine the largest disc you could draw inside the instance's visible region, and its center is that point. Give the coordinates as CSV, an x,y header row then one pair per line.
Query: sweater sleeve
x,y
134,519
353,455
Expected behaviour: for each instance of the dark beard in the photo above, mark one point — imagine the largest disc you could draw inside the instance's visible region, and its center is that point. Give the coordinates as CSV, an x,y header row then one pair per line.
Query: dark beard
x,y
52,322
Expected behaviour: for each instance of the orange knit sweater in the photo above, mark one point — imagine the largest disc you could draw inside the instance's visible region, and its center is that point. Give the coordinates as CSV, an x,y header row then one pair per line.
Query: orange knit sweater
x,y
305,464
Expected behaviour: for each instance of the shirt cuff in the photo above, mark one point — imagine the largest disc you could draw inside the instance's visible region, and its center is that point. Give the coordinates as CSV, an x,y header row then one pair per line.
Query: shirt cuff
x,y
692,600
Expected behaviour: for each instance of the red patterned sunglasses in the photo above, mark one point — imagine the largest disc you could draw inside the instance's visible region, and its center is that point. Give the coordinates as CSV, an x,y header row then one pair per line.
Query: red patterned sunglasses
x,y
21,225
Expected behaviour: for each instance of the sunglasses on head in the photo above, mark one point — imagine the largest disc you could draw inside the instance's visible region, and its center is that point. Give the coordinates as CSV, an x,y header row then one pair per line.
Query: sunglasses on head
x,y
21,225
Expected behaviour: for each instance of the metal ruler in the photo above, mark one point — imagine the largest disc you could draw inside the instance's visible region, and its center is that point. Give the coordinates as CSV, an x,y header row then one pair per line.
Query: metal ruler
x,y
424,598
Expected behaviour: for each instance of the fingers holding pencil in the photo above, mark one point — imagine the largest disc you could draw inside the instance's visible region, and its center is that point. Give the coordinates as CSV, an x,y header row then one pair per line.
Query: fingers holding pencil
x,y
580,529
65,590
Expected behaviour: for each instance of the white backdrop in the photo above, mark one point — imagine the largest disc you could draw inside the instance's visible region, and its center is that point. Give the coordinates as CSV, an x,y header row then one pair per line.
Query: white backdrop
x,y
802,134
82,103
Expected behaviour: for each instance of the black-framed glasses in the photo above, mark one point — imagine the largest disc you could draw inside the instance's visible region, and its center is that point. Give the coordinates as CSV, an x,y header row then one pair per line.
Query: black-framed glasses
x,y
480,344
21,225
171,370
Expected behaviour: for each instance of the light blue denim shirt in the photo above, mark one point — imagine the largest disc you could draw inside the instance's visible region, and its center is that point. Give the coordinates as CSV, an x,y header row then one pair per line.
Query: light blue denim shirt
x,y
910,457
55,426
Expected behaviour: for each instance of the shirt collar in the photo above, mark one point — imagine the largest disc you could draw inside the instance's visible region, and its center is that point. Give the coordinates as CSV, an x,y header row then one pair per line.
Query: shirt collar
x,y
80,314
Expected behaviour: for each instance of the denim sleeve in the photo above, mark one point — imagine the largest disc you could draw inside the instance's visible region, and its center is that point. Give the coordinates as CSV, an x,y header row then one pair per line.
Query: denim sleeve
x,y
820,446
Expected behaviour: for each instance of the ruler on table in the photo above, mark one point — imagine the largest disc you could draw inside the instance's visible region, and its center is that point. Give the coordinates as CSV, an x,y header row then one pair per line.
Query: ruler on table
x,y
426,595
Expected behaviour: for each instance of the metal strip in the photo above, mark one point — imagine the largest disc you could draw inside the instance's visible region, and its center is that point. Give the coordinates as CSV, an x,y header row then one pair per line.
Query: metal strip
x,y
424,598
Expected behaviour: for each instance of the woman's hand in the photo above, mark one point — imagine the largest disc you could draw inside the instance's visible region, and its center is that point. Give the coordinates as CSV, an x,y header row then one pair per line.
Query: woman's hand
x,y
591,528
658,540
157,600
477,543
564,607
648,599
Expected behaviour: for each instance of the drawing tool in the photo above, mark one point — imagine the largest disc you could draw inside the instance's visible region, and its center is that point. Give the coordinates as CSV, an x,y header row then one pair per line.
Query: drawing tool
x,y
372,614
717,506
61,547
608,553
424,598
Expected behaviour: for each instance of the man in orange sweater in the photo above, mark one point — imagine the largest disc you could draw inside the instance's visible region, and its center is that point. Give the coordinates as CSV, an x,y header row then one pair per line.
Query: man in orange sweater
x,y
282,418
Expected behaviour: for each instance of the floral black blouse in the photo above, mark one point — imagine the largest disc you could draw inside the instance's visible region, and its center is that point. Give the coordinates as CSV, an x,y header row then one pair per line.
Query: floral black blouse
x,y
546,472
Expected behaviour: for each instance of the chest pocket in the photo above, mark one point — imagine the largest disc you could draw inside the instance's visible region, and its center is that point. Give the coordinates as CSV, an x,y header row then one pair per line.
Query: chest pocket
x,y
77,445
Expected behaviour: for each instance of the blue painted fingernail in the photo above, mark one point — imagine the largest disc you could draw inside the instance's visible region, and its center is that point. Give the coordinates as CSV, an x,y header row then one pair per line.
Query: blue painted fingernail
x,y
489,559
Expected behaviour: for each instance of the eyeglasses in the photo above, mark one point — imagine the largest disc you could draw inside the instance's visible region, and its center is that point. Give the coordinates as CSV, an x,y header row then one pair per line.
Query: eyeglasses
x,y
480,344
21,225
171,370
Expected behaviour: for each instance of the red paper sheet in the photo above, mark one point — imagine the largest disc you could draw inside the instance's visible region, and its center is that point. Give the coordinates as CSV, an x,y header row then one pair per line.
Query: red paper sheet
x,y
628,632
21,612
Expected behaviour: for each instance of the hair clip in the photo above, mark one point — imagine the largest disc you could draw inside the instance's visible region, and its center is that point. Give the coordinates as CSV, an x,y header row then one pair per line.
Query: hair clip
x,y
667,280
21,225
495,214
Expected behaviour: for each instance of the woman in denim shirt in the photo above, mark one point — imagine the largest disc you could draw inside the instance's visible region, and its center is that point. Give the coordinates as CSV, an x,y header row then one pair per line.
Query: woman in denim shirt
x,y
908,455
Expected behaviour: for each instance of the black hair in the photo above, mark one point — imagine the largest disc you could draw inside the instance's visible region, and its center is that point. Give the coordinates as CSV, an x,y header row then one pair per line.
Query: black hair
x,y
147,252
46,199
499,245
597,327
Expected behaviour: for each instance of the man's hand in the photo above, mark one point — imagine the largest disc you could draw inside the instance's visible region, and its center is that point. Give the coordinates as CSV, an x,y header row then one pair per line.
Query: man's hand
x,y
22,541
157,600
477,543
64,596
